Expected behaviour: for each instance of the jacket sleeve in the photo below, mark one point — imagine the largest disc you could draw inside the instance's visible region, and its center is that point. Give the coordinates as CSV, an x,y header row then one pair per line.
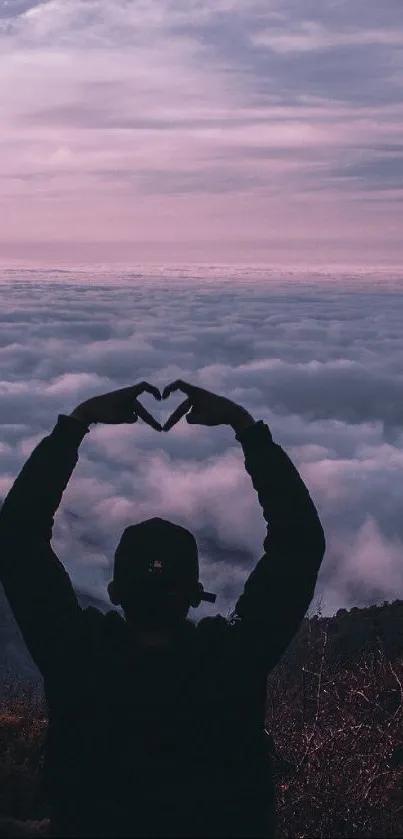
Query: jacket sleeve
x,y
279,590
37,586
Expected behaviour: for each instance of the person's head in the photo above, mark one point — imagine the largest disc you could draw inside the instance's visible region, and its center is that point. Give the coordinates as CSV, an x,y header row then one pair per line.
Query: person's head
x,y
156,574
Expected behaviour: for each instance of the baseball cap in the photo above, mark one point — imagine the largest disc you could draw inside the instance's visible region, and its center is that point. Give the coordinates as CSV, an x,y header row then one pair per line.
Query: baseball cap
x,y
161,551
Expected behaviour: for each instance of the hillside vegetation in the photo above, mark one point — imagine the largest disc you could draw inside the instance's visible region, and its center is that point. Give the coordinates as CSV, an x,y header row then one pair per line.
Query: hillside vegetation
x,y
334,709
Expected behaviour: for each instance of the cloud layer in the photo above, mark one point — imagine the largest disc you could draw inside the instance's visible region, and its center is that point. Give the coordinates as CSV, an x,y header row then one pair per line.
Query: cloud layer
x,y
167,127
319,358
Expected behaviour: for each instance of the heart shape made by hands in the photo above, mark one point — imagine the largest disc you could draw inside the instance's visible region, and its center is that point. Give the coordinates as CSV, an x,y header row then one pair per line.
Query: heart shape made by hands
x,y
156,408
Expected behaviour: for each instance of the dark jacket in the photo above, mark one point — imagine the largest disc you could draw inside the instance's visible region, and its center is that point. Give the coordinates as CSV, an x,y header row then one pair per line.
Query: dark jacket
x,y
158,742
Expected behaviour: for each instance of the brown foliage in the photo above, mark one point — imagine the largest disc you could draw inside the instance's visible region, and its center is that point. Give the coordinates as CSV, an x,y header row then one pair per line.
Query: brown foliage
x,y
338,729
22,732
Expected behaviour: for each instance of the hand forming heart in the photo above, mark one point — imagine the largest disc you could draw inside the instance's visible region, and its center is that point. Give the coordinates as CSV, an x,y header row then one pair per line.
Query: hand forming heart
x,y
123,406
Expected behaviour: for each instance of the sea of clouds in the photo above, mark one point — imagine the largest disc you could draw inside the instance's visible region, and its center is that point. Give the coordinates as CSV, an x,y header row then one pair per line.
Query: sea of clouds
x,y
318,356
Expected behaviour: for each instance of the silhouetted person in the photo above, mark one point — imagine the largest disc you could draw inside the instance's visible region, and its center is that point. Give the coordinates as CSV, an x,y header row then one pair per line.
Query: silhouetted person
x,y
156,724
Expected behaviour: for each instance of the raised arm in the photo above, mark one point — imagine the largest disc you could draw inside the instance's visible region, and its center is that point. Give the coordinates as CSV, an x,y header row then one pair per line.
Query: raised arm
x,y
279,590
36,584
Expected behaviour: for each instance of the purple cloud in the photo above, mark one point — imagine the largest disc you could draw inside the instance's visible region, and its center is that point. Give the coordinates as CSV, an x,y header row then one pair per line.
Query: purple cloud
x,y
200,132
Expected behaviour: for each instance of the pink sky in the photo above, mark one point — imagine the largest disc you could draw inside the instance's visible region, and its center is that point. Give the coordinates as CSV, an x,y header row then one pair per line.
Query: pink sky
x,y
223,130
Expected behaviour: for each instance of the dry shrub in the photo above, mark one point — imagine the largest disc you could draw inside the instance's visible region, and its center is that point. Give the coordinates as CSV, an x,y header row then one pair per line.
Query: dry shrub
x,y
338,730
23,723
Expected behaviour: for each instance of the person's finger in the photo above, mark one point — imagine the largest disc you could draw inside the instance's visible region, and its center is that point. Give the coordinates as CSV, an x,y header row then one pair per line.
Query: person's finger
x,y
194,417
127,416
179,384
198,417
180,412
146,387
145,416
201,419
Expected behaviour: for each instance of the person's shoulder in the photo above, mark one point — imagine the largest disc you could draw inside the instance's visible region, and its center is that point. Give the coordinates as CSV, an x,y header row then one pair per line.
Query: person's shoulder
x,y
92,618
96,621
103,629
213,628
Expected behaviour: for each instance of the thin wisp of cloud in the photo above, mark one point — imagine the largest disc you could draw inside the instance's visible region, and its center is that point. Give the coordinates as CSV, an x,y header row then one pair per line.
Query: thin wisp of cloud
x,y
188,131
